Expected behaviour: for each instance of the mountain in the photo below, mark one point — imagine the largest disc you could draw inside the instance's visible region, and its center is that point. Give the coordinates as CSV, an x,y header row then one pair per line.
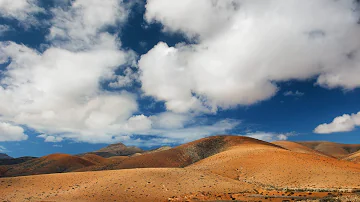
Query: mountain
x,y
13,161
337,150
118,149
4,156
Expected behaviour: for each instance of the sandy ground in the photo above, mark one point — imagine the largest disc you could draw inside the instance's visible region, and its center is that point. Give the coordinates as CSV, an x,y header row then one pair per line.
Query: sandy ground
x,y
275,167
156,184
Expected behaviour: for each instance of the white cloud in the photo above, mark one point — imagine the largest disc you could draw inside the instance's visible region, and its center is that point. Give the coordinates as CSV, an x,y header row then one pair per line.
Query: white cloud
x,y
50,138
79,27
295,94
169,120
176,134
127,80
342,123
9,132
22,10
58,92
4,29
246,46
3,149
269,137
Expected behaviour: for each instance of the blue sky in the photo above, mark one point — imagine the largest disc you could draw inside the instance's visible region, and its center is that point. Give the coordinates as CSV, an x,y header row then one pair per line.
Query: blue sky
x,y
78,75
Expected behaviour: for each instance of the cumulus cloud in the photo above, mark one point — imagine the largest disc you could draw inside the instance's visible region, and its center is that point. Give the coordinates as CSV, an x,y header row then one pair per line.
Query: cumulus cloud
x,y
344,123
2,149
243,47
295,94
58,92
9,132
79,27
269,137
22,10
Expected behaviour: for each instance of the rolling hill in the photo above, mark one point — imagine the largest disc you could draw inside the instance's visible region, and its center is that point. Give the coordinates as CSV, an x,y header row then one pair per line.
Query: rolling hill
x,y
276,167
54,163
118,149
182,155
219,168
354,157
332,149
296,147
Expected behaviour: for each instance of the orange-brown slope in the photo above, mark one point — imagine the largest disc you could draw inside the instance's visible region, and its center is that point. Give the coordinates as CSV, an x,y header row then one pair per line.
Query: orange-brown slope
x,y
94,158
333,149
55,163
272,166
149,184
296,147
354,157
183,155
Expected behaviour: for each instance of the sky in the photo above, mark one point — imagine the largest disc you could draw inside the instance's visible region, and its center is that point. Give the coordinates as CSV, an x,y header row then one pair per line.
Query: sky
x,y
77,75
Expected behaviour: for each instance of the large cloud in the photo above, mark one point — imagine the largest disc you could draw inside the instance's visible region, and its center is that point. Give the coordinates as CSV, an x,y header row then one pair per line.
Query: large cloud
x,y
9,132
58,92
344,123
22,10
245,46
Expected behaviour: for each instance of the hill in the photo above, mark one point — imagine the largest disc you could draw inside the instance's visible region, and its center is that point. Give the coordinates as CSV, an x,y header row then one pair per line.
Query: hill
x,y
13,161
354,157
296,147
182,155
276,167
337,150
150,184
219,168
54,163
118,149
4,156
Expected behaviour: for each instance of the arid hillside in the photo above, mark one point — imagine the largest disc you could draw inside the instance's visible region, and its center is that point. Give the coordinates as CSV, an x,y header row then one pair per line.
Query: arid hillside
x,y
354,157
332,149
219,168
296,147
276,167
54,163
181,156
118,149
